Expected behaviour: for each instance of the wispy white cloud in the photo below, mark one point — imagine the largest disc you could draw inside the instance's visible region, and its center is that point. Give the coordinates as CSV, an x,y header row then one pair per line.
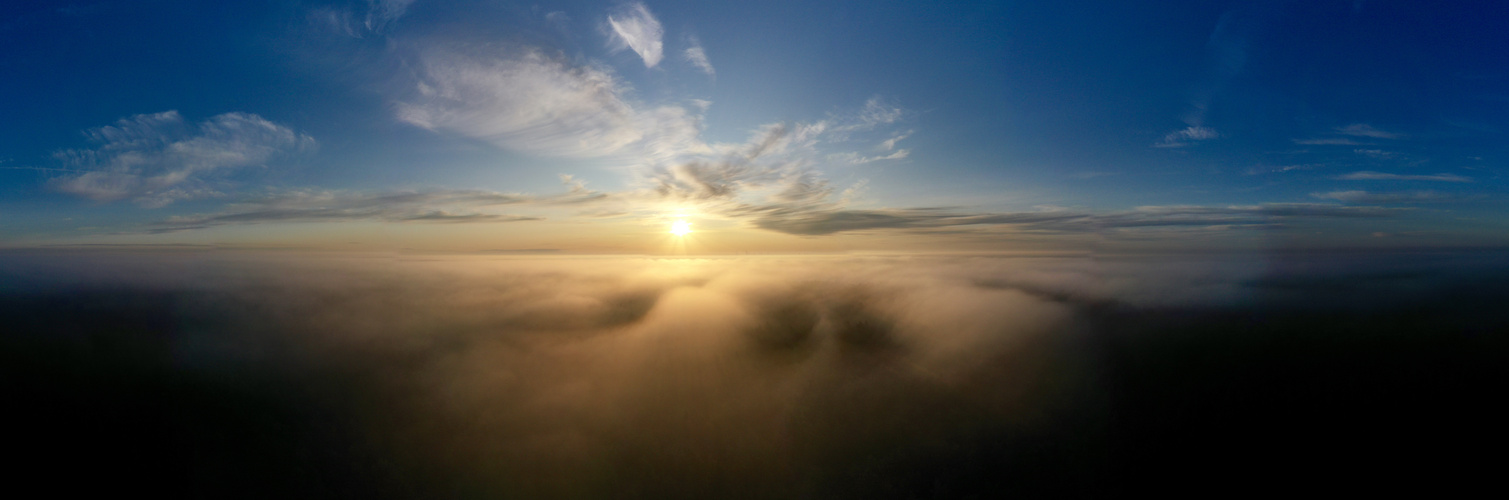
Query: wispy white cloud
x,y
890,144
761,161
383,13
338,20
633,27
877,112
1186,137
1227,50
777,161
1365,130
356,22
1353,130
157,159
696,55
858,159
1380,176
1279,169
522,99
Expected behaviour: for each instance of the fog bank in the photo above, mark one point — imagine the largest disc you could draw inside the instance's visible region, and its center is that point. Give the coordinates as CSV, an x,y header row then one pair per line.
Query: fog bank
x,y
226,374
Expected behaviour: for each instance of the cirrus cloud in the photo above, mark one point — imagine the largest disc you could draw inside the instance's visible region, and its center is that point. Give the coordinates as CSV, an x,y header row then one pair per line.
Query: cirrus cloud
x,y
1359,196
157,159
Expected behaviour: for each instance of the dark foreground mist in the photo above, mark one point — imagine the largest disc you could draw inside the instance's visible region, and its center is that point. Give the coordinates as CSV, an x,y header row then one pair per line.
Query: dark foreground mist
x,y
214,375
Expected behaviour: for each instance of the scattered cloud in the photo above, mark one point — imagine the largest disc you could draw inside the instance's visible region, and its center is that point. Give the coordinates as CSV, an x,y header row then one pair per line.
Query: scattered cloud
x,y
1380,176
1186,137
1358,196
157,159
523,99
633,27
1365,130
696,55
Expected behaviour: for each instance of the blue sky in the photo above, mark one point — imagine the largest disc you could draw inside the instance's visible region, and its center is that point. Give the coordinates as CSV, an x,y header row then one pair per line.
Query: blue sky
x,y
771,126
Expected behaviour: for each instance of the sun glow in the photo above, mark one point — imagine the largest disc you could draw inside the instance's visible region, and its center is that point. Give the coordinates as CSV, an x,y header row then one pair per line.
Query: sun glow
x,y
681,228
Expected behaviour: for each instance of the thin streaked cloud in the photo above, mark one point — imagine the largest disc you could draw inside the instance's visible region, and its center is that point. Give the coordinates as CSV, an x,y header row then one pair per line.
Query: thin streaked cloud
x,y
633,27
1381,176
1365,130
1372,197
697,56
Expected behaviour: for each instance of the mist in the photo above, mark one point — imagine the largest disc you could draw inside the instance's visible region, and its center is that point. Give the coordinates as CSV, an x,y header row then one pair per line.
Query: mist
x,y
242,374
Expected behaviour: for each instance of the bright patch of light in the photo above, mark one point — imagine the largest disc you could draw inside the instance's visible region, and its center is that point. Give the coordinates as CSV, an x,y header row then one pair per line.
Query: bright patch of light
x,y
681,228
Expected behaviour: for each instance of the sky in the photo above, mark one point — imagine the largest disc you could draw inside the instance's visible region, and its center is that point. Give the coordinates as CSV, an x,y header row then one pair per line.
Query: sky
x,y
775,249
769,127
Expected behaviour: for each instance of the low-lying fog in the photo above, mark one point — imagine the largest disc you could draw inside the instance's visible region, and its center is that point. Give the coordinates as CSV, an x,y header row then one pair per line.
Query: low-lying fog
x,y
215,374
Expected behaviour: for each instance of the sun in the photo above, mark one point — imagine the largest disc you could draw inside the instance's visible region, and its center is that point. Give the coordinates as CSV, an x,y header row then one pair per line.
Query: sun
x,y
681,228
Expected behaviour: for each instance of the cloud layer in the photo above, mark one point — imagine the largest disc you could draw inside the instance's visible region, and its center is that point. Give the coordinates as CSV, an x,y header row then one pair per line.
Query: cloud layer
x,y
1383,176
873,377
823,220
447,206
